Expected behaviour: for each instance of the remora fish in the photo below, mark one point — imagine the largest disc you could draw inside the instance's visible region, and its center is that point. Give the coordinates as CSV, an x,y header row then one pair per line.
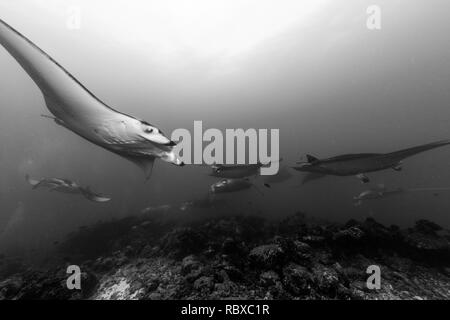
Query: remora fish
x,y
80,111
359,164
66,186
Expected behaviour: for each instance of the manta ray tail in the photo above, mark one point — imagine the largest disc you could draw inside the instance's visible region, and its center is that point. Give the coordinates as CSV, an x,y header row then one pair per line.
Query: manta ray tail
x,y
56,83
405,153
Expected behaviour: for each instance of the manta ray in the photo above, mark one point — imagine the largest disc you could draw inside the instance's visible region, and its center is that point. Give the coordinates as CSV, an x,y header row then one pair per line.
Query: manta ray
x,y
233,185
360,164
380,191
66,186
237,171
376,193
80,111
230,185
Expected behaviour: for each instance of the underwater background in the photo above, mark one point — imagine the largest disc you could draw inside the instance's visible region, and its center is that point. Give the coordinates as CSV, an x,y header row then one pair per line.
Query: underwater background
x,y
317,73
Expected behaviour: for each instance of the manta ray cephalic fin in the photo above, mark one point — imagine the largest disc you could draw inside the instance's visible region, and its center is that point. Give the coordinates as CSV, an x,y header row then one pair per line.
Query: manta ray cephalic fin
x,y
145,163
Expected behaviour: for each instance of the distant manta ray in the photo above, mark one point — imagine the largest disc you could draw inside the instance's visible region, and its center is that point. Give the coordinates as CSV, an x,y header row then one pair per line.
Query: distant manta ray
x,y
375,193
236,171
380,192
232,185
78,110
360,164
66,186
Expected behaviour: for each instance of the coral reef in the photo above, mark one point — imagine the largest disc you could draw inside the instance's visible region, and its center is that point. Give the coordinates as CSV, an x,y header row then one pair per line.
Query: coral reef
x,y
241,257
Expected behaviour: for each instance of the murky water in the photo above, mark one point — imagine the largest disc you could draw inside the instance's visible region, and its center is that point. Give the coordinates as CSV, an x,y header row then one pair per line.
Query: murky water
x,y
313,71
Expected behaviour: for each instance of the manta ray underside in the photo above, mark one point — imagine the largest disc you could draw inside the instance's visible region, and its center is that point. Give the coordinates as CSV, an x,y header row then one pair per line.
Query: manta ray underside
x,y
80,111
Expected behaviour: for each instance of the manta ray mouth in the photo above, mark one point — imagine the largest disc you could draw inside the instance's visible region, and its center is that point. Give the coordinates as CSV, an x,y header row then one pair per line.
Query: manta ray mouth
x,y
170,144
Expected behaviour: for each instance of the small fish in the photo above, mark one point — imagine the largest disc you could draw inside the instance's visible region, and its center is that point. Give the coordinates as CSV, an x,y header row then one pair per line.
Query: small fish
x,y
360,164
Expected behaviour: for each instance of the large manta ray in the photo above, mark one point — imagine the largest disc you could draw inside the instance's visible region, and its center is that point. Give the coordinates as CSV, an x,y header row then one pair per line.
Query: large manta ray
x,y
359,164
78,110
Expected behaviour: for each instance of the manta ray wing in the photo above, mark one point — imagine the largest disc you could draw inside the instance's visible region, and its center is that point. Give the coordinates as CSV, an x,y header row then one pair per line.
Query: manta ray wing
x,y
57,84
405,153
78,110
